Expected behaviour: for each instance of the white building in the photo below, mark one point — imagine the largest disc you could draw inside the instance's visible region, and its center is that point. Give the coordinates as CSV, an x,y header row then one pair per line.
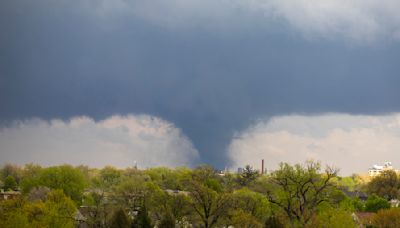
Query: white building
x,y
378,169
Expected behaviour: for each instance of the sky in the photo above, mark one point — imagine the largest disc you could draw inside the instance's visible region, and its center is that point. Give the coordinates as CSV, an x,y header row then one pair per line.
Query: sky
x,y
185,82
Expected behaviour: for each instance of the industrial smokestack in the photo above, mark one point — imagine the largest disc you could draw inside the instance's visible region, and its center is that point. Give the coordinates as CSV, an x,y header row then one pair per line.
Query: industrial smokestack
x,y
262,166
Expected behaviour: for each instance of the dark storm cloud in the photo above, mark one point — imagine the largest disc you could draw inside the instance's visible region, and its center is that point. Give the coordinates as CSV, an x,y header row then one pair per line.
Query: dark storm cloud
x,y
62,59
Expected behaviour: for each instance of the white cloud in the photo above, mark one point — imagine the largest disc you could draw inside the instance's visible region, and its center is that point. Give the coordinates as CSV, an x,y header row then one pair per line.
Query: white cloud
x,y
357,20
118,141
351,143
362,21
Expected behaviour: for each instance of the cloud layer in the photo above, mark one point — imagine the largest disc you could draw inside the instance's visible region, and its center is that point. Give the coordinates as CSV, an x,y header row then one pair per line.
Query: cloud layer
x,y
117,141
355,20
363,21
349,142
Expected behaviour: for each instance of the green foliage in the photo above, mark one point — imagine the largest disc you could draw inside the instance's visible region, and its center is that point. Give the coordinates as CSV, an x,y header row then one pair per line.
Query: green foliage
x,y
167,221
11,170
351,183
352,204
12,215
203,173
57,211
120,219
132,192
229,182
10,183
292,196
253,203
174,202
30,178
213,184
247,176
166,178
15,219
298,190
110,176
64,177
96,204
241,218
142,220
375,203
209,205
273,222
358,205
385,185
334,217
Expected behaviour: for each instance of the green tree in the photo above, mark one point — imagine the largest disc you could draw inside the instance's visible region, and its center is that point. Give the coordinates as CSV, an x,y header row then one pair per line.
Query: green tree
x,y
352,204
375,203
60,210
334,217
12,215
164,177
64,177
174,202
36,213
229,182
241,218
96,202
247,176
30,177
57,211
209,203
120,219
134,192
252,203
298,190
10,183
110,176
350,183
274,222
11,170
167,221
15,219
385,185
142,220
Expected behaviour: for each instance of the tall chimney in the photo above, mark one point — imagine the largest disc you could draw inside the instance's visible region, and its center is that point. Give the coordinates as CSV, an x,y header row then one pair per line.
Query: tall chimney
x,y
262,166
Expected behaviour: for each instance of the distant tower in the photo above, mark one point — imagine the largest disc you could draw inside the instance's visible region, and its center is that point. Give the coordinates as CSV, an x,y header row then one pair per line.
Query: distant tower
x,y
135,162
262,166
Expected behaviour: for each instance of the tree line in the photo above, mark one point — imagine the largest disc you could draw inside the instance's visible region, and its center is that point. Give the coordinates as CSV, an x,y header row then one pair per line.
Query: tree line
x,y
299,195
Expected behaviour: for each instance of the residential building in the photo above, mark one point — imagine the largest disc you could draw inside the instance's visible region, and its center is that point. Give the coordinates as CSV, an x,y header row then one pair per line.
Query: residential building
x,y
378,169
5,195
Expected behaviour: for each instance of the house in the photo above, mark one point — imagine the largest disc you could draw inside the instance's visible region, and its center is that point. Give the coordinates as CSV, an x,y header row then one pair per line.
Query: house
x,y
378,169
363,219
9,195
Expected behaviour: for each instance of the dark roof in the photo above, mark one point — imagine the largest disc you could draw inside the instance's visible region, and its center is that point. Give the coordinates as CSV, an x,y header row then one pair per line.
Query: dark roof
x,y
364,218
